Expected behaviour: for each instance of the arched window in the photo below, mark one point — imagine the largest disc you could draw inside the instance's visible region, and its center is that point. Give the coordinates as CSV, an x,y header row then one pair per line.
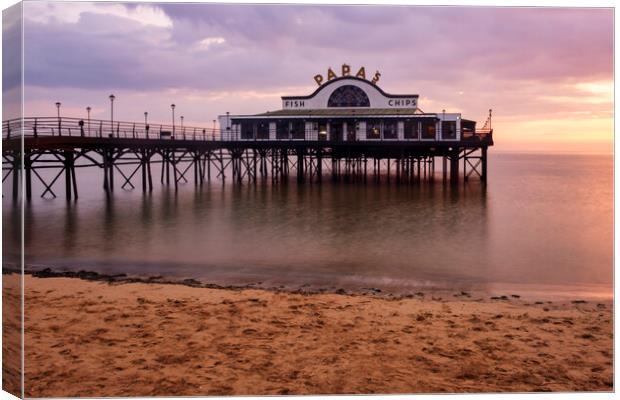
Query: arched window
x,y
348,96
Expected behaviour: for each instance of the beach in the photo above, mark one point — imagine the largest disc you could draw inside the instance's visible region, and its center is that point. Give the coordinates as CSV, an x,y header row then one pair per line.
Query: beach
x,y
97,338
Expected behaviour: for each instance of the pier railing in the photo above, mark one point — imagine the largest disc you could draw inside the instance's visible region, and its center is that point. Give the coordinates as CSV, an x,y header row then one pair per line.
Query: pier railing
x,y
33,127
96,128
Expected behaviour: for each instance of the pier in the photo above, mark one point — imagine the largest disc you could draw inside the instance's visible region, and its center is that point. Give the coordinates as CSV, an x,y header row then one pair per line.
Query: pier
x,y
125,152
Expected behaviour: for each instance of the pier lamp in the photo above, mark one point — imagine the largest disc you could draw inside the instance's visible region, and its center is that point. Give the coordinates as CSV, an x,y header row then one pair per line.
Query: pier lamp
x,y
58,113
112,97
228,121
146,124
182,121
172,106
88,118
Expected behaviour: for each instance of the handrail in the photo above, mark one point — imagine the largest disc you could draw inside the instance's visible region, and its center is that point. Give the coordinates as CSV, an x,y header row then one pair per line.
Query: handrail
x,y
68,126
96,128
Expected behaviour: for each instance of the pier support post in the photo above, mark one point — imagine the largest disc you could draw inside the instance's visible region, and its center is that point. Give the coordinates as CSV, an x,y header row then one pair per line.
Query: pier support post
x,y
28,168
483,175
300,165
319,166
196,161
68,163
106,185
148,169
143,167
16,169
454,166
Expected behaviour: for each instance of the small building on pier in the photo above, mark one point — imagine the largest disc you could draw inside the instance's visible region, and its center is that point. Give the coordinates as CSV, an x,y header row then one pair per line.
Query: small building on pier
x,y
346,109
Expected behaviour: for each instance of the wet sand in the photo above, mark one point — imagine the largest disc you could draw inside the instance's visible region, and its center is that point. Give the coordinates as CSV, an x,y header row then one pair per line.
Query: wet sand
x,y
94,338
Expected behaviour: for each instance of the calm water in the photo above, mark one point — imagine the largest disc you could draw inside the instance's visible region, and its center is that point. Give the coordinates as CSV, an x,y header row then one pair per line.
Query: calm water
x,y
542,225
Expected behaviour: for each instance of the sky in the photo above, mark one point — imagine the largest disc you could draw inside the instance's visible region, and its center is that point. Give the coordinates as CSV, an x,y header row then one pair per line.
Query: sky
x,y
547,73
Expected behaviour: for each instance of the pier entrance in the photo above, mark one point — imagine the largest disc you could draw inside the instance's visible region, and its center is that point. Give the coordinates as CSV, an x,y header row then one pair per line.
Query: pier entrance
x,y
343,131
336,130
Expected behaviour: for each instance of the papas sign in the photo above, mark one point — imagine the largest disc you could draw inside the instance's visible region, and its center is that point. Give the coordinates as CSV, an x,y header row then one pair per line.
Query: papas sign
x,y
346,71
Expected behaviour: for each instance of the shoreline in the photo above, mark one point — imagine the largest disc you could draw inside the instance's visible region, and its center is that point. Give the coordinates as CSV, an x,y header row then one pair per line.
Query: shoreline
x,y
95,338
500,291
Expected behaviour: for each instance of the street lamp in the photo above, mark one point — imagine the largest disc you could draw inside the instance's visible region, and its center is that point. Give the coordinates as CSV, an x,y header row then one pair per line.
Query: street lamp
x,y
88,112
227,122
172,106
182,121
58,113
146,114
112,97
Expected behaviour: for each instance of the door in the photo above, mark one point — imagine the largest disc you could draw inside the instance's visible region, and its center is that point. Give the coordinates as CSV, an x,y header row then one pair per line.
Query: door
x,y
335,131
351,131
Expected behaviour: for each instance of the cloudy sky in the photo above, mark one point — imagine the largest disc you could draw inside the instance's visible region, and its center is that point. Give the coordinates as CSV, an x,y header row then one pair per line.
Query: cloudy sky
x,y
546,73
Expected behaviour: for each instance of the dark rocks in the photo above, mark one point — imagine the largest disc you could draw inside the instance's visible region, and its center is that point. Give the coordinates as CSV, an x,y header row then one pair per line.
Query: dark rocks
x,y
191,282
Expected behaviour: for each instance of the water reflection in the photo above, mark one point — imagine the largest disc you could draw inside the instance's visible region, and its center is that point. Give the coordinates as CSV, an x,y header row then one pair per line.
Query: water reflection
x,y
427,234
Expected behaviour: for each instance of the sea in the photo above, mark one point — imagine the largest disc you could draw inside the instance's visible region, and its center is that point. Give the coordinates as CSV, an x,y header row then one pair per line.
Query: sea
x,y
542,227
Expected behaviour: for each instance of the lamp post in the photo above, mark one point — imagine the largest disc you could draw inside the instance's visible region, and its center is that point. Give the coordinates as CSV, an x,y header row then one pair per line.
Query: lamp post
x,y
172,106
227,122
58,113
112,97
146,124
182,121
88,118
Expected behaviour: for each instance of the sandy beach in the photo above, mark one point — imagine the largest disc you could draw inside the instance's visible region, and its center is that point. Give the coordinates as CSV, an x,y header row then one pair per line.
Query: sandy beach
x,y
89,338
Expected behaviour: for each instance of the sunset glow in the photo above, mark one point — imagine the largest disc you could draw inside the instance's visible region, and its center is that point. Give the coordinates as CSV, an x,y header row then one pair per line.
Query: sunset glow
x,y
546,72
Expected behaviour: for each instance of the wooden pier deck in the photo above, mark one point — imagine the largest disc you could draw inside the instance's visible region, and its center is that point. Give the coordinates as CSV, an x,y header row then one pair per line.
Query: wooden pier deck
x,y
126,151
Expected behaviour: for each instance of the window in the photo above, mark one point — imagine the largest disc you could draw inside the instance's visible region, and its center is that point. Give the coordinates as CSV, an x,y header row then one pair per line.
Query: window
x,y
348,96
373,130
411,129
262,130
428,129
247,130
282,130
448,129
468,129
322,128
390,130
298,129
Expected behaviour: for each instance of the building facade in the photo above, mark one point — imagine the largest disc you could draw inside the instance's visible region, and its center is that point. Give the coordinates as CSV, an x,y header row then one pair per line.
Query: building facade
x,y
349,108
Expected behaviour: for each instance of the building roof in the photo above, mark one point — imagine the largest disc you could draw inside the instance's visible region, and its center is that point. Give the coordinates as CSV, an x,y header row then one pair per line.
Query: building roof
x,y
344,112
349,78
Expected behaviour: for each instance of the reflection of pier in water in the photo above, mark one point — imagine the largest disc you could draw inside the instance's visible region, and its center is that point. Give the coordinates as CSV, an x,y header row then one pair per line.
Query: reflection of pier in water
x,y
126,151
171,232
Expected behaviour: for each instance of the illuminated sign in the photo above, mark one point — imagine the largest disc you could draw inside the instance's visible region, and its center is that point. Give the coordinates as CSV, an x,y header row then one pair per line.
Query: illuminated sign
x,y
346,71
